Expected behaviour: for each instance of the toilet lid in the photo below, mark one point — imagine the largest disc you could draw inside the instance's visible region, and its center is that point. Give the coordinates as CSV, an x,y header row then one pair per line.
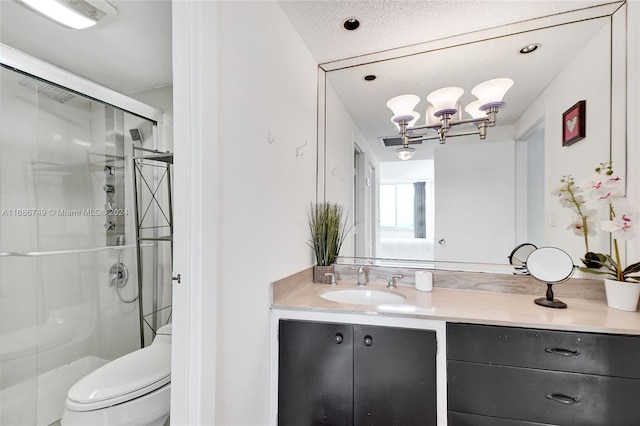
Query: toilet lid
x,y
123,379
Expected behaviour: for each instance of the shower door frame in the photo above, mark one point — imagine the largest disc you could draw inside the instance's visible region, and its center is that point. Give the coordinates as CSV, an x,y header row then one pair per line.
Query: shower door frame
x,y
24,63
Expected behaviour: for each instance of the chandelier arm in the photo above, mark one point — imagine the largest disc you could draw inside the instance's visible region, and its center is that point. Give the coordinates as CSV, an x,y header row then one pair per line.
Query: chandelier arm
x,y
425,126
473,132
436,126
469,121
423,138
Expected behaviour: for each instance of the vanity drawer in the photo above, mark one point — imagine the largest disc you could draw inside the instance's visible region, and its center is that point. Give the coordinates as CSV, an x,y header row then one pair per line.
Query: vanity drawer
x,y
465,419
603,354
542,396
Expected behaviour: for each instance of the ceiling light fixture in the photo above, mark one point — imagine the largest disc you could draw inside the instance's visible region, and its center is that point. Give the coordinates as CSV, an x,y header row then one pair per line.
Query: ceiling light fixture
x,y
530,48
445,106
76,14
405,153
351,24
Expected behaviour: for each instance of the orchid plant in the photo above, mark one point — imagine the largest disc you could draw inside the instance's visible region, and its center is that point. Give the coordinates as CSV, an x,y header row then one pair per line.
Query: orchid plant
x,y
570,196
608,188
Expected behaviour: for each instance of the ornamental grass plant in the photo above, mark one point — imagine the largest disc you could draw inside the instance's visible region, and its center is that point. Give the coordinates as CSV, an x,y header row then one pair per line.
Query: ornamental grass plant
x,y
328,231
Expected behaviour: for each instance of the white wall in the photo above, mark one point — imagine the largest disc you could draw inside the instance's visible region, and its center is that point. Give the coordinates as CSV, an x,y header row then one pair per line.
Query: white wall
x,y
581,158
633,112
267,91
242,107
341,135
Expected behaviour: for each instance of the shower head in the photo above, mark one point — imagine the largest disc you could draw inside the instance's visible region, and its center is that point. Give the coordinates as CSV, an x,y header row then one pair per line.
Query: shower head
x,y
136,135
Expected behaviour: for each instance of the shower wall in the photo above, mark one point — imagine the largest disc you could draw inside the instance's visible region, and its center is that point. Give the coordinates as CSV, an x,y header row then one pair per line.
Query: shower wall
x,y
59,317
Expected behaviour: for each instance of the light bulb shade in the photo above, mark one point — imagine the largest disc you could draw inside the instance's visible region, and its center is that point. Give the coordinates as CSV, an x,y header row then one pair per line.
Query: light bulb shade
x,y
445,100
405,153
416,117
402,107
473,109
432,118
491,92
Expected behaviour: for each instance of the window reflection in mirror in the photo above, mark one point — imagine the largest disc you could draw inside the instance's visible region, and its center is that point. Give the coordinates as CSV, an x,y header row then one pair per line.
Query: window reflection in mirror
x,y
406,210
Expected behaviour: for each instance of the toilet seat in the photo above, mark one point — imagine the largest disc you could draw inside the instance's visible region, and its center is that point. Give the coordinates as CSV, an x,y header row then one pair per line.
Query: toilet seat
x,y
123,379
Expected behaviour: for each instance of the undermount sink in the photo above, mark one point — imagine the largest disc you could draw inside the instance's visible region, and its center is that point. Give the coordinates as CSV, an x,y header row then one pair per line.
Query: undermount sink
x,y
363,296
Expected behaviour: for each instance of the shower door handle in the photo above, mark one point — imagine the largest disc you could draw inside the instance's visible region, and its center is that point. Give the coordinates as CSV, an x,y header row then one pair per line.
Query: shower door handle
x,y
176,277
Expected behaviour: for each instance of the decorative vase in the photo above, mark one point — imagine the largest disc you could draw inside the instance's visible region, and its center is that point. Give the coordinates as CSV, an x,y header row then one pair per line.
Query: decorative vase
x,y
319,271
622,295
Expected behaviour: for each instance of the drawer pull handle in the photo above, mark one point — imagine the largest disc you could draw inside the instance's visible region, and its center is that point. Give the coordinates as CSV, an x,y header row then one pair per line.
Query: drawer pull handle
x,y
562,352
563,399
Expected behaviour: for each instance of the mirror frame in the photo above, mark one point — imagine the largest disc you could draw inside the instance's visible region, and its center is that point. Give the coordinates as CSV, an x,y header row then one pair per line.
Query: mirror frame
x,y
616,12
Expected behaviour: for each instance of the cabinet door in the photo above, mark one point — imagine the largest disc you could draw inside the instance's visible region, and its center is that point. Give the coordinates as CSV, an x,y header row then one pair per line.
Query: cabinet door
x,y
394,376
315,377
602,354
544,396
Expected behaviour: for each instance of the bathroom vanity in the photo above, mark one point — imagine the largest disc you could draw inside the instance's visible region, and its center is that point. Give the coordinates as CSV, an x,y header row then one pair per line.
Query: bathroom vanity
x,y
450,357
366,374
534,376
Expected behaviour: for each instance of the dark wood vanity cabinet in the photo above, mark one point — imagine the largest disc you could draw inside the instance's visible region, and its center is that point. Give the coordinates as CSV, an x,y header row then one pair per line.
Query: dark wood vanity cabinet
x,y
506,376
346,374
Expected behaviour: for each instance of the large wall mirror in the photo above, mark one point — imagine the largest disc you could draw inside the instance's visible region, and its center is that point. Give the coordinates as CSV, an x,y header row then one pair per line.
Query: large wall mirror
x,y
472,200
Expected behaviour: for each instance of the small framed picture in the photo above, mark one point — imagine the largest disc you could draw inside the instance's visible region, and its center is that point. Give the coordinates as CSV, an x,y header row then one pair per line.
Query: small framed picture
x,y
574,123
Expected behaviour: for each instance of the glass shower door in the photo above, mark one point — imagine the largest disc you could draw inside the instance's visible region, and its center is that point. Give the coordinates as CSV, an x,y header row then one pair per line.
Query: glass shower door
x,y
66,230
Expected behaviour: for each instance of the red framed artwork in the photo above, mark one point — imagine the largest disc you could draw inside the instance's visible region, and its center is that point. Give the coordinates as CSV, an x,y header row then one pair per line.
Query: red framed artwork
x,y
573,123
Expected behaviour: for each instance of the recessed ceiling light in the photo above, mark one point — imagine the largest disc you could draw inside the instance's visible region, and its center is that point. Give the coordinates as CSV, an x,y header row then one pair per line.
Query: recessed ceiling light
x,y
369,77
530,48
76,14
351,24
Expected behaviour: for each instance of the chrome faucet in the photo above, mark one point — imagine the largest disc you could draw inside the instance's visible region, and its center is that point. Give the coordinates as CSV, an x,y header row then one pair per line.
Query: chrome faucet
x,y
393,281
362,279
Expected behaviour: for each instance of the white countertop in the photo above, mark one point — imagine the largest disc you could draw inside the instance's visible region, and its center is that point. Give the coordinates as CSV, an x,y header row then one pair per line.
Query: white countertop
x,y
453,305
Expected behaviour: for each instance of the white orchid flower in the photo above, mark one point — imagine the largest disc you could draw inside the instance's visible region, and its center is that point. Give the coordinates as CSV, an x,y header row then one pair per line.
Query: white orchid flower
x,y
605,188
622,225
578,228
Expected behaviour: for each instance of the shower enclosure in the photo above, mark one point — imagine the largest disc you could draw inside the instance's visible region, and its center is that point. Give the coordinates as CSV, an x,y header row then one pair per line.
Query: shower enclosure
x,y
69,292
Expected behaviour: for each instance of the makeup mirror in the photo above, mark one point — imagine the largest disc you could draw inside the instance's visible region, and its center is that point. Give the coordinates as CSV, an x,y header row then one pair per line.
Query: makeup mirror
x,y
519,255
550,265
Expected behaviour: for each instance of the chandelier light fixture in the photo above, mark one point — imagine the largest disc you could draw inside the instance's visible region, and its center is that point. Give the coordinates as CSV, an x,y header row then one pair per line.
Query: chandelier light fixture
x,y
445,109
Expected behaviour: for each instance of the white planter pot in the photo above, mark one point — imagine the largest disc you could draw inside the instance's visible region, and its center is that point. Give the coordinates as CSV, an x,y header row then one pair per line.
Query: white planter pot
x,y
622,295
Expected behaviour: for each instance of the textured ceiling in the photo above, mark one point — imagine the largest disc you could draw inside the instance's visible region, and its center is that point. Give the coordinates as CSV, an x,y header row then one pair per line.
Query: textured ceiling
x,y
389,24
132,51
464,66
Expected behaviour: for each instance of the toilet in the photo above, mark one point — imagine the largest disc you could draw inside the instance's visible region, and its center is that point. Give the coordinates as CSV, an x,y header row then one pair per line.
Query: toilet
x,y
134,389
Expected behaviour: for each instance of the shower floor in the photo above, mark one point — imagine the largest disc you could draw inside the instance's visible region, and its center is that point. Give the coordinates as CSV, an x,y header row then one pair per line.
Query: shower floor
x,y
51,387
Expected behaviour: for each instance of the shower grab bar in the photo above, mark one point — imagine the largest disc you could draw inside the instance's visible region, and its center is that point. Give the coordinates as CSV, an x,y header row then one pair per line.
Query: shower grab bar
x,y
71,251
